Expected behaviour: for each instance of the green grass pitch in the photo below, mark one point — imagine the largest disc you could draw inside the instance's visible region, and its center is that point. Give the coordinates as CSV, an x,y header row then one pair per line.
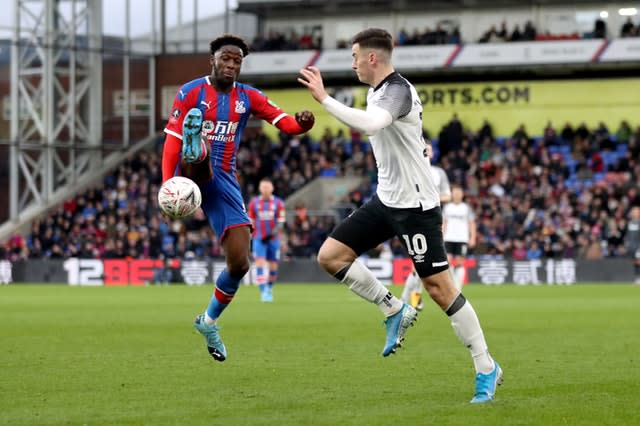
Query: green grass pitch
x,y
129,356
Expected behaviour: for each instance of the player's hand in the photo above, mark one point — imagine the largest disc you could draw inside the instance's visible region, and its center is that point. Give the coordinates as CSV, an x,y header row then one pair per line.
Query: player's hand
x,y
305,119
312,79
429,151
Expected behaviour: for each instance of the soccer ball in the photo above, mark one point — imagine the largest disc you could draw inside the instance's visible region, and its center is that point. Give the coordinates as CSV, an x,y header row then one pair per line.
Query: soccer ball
x,y
179,197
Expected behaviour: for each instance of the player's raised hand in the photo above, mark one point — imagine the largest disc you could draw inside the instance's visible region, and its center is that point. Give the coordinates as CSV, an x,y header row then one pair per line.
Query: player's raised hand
x,y
305,119
312,79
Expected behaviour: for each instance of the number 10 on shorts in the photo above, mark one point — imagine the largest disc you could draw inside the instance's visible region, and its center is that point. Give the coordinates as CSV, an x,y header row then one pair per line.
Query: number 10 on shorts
x,y
416,244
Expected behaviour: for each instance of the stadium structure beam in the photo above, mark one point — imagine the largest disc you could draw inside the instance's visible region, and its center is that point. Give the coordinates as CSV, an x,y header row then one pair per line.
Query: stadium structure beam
x,y
56,92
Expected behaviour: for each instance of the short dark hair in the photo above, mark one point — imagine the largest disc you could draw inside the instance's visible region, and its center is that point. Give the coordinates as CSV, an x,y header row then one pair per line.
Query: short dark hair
x,y
374,38
229,39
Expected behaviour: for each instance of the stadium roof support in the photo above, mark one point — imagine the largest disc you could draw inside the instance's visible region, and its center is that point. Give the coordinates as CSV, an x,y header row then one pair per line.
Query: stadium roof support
x,y
56,110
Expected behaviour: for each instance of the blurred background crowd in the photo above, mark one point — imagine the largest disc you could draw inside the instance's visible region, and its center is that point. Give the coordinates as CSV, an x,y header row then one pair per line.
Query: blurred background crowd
x,y
566,193
446,33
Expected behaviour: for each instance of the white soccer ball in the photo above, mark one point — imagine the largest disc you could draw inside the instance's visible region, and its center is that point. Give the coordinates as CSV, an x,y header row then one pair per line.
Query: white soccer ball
x,y
179,197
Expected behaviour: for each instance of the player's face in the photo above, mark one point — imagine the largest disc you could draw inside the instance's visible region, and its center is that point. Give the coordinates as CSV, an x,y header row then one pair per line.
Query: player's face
x,y
226,63
266,189
360,63
457,195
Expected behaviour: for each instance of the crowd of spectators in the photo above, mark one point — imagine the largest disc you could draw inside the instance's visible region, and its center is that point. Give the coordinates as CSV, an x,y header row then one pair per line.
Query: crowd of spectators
x,y
565,193
120,218
446,32
280,41
494,35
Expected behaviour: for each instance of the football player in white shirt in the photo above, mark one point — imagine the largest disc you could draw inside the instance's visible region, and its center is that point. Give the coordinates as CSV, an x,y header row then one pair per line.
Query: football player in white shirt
x,y
412,292
459,229
406,205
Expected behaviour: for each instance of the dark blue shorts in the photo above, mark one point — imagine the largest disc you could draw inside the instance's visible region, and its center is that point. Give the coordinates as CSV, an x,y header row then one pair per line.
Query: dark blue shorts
x,y
223,204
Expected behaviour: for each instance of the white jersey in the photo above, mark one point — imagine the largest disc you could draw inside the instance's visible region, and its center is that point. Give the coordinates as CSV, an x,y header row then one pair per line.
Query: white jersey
x,y
441,180
457,217
405,179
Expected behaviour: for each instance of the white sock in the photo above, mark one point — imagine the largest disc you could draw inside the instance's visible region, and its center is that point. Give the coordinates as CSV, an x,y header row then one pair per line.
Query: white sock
x,y
208,320
458,274
413,284
406,292
363,283
466,325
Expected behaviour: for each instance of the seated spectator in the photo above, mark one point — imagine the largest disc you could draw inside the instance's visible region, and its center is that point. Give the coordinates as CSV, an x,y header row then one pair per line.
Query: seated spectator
x,y
529,33
627,29
600,29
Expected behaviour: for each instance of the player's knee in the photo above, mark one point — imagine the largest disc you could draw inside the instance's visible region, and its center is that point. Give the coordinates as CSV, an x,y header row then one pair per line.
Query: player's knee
x,y
324,258
238,267
334,255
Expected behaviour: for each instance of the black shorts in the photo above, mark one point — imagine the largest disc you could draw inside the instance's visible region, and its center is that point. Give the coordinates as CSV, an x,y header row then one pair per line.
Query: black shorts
x,y
456,249
419,231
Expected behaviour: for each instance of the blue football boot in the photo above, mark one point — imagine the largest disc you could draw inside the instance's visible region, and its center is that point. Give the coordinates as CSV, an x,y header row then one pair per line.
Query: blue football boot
x,y
192,151
397,325
486,385
214,342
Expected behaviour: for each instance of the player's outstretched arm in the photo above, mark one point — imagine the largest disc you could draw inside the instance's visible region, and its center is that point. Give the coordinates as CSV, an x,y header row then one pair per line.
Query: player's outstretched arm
x,y
170,156
301,123
369,121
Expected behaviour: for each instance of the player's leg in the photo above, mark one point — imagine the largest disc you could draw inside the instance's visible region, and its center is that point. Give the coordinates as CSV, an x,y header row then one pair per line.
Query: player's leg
x,y
224,208
408,287
425,245
451,248
262,269
236,247
459,270
466,325
364,229
273,257
412,292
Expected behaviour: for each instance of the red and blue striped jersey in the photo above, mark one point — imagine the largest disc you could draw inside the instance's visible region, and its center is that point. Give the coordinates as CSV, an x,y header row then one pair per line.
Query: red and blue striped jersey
x,y
225,116
266,214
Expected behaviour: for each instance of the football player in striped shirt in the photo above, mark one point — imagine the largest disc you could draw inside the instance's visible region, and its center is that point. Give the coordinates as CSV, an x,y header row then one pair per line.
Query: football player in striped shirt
x,y
267,213
208,118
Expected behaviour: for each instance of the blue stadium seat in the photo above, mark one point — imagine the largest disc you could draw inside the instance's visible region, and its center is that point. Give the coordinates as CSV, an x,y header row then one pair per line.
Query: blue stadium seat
x,y
622,148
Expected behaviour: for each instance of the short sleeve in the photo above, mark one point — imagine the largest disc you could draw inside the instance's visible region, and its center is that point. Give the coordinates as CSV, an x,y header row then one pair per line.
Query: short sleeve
x,y
396,99
262,107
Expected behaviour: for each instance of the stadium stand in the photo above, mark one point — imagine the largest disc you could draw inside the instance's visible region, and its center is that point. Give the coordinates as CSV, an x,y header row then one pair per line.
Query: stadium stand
x,y
556,195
